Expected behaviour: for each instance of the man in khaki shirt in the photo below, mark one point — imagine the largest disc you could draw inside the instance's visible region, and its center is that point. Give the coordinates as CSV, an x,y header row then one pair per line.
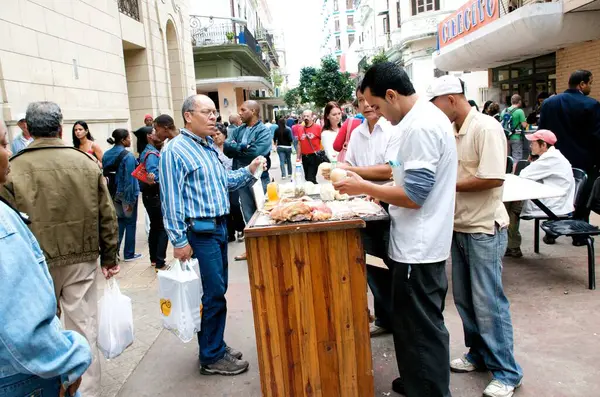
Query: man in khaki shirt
x,y
479,240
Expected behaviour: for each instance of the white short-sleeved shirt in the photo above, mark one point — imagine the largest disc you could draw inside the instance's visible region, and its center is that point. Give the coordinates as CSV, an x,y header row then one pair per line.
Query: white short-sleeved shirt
x,y
426,142
373,148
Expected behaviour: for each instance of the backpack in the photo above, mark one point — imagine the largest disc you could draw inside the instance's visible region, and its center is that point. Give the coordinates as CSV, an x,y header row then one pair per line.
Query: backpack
x,y
110,173
507,122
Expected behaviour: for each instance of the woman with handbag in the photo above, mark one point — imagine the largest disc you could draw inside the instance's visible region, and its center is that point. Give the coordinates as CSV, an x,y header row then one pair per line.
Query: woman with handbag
x,y
147,174
343,137
118,164
309,147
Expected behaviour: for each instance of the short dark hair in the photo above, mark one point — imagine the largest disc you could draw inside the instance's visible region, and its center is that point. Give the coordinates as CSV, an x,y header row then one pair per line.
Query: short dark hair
x,y
387,76
579,76
166,121
222,129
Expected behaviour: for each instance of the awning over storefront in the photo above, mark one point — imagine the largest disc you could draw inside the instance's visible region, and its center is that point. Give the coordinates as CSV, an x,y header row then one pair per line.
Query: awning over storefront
x,y
245,82
527,32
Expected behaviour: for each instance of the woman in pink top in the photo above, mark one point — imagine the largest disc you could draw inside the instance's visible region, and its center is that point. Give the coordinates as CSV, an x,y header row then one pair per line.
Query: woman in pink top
x,y
343,137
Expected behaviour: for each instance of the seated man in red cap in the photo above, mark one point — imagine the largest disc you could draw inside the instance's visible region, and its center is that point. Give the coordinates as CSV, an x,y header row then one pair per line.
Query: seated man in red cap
x,y
550,167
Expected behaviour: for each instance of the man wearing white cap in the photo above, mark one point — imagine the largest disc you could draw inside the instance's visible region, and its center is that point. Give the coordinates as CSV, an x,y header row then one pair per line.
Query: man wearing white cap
x,y
23,140
552,169
479,240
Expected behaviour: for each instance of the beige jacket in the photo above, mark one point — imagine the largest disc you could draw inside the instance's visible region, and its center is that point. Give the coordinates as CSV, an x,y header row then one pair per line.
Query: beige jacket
x,y
64,193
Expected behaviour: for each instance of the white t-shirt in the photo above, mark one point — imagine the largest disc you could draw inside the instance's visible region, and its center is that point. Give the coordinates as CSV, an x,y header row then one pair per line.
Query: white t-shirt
x,y
426,142
327,139
551,169
373,148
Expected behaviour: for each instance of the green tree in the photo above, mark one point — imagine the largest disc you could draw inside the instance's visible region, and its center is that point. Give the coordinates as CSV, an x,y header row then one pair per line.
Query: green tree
x,y
292,98
364,64
307,82
277,79
330,84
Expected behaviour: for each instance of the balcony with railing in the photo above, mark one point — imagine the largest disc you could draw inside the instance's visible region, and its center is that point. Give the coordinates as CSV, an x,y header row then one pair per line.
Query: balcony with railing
x,y
130,8
227,40
265,39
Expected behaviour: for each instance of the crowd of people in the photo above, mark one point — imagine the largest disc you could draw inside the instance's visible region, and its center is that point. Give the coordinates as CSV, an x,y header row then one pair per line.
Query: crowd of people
x,y
64,207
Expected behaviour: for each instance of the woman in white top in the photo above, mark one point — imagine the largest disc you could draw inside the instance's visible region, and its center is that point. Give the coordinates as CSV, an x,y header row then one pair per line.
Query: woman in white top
x,y
331,126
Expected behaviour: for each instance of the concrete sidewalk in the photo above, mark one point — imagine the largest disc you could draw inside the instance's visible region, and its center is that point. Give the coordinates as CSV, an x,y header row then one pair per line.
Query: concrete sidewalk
x,y
557,332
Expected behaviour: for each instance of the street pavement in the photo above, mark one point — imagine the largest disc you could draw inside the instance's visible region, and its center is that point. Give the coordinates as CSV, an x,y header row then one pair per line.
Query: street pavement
x,y
557,331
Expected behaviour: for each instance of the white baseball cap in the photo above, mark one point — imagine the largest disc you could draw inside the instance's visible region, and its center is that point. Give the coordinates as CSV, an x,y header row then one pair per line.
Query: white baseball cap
x,y
20,116
444,85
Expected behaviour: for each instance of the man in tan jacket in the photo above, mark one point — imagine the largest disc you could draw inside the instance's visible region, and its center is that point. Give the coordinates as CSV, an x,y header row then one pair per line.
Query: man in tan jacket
x,y
65,196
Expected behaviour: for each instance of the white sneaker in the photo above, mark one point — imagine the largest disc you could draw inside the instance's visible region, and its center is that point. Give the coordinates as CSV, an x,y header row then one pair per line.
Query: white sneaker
x,y
462,365
499,389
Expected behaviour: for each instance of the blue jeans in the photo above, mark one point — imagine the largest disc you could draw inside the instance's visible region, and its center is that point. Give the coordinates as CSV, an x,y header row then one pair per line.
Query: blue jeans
x,y
30,386
285,159
127,225
211,251
247,197
482,305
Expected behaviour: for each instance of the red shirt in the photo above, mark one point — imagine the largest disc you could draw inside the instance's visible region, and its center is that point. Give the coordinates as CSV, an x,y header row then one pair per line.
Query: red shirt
x,y
296,130
314,134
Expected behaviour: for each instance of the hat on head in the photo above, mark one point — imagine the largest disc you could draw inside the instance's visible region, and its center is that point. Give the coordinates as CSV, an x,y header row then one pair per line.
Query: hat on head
x,y
543,135
444,85
148,116
20,117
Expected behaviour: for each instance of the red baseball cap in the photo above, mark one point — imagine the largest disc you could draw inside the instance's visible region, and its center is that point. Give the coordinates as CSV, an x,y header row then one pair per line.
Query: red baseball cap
x,y
148,116
544,135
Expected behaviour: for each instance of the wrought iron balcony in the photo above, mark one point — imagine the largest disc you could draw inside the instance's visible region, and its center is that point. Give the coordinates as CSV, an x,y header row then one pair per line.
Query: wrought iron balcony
x,y
130,8
205,33
266,40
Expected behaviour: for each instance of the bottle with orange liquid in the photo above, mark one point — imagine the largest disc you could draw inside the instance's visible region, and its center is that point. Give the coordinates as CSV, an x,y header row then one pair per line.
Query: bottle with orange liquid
x,y
272,193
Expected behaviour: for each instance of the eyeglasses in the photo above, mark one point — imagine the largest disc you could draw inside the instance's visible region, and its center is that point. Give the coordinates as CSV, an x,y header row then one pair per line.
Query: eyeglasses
x,y
206,112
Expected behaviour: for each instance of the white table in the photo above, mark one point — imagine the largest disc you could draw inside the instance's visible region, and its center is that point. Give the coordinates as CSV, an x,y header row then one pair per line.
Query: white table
x,y
519,189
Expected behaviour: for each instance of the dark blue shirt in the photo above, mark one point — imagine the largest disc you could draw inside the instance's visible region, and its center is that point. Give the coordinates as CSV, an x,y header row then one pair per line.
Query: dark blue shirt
x,y
575,120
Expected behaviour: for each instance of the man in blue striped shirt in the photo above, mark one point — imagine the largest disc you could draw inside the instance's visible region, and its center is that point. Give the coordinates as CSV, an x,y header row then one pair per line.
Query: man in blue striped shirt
x,y
194,193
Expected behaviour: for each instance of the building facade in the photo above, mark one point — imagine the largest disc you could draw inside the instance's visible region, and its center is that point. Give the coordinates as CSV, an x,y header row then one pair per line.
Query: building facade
x,y
406,31
339,28
235,54
106,62
527,47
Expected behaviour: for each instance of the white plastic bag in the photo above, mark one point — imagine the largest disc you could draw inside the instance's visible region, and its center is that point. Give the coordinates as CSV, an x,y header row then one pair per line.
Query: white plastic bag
x,y
180,292
115,330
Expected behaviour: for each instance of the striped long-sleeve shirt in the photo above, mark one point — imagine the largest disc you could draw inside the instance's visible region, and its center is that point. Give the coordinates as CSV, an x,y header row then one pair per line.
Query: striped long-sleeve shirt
x,y
194,184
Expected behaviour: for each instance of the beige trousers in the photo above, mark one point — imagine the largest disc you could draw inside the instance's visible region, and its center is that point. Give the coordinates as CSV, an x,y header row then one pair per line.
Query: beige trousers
x,y
75,287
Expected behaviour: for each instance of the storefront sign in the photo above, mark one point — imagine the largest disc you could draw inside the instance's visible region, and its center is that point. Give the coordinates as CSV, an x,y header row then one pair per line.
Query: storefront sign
x,y
467,19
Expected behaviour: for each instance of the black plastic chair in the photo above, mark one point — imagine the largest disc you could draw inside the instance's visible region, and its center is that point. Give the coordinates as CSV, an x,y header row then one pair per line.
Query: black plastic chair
x,y
578,228
509,164
580,180
520,165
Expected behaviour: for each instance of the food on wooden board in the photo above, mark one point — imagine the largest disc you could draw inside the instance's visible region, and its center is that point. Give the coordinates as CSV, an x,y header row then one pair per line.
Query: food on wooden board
x,y
294,211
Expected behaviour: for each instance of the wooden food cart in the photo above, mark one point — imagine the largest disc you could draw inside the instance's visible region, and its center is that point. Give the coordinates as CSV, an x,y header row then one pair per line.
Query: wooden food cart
x,y
309,298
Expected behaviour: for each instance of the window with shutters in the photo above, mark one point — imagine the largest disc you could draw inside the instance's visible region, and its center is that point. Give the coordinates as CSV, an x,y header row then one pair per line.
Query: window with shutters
x,y
421,6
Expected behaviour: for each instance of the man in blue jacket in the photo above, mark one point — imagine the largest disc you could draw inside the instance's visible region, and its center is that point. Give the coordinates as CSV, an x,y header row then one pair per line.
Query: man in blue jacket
x,y
574,118
250,140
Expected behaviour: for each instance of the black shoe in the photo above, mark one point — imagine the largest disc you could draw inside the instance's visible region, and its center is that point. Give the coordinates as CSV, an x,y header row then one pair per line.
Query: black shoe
x,y
398,386
513,252
231,239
